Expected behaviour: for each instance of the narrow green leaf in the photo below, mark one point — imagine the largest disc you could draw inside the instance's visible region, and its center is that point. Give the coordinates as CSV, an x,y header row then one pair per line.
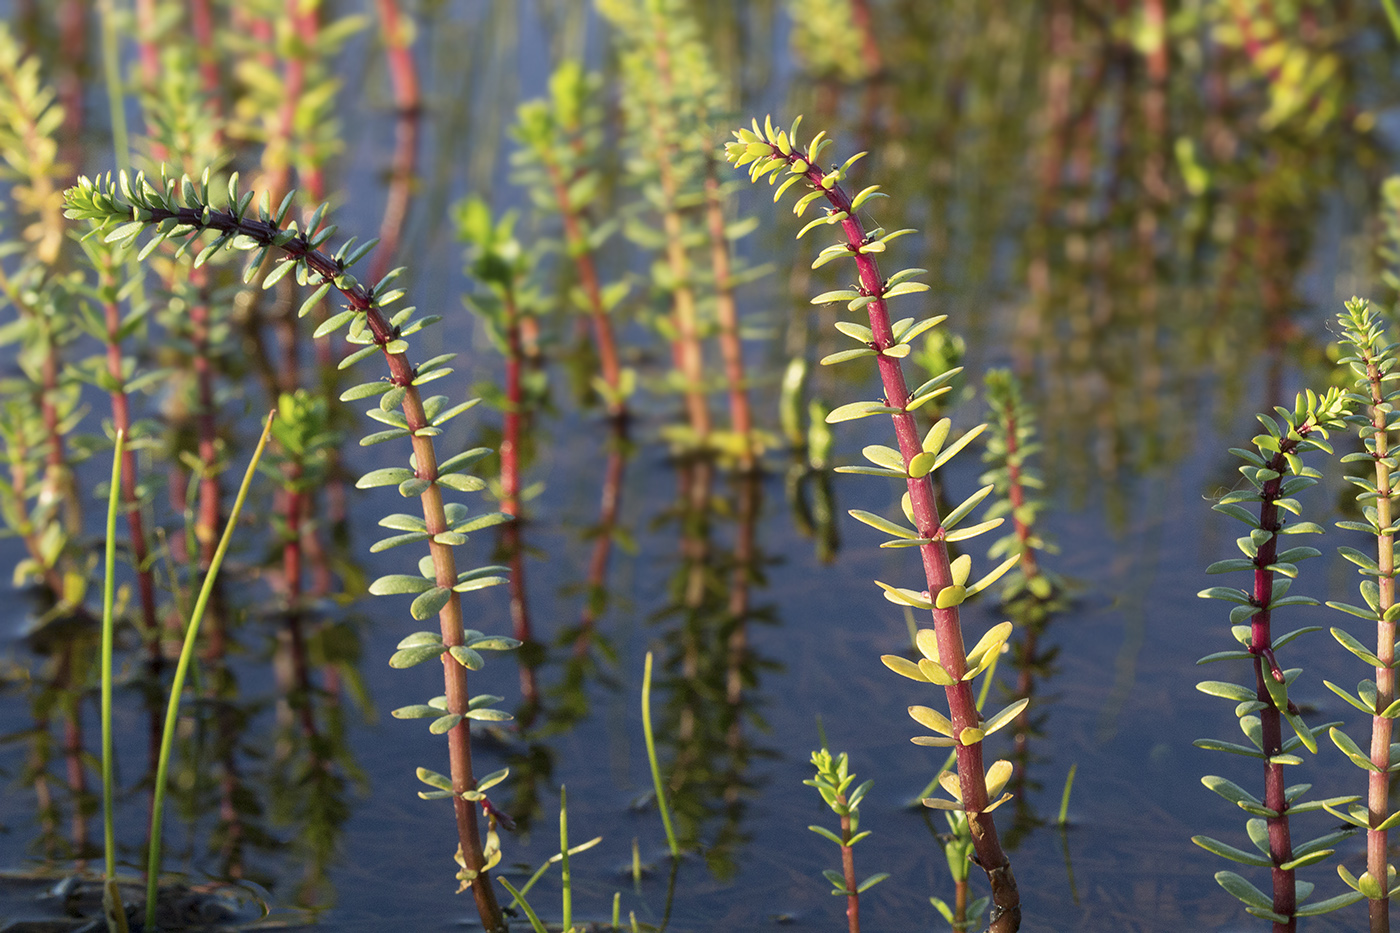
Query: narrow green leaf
x,y
882,524
1230,852
1243,890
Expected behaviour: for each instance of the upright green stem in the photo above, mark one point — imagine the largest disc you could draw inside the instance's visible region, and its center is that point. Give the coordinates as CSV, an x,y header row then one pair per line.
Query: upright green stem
x,y
177,685
565,878
112,897
1393,15
136,206
651,759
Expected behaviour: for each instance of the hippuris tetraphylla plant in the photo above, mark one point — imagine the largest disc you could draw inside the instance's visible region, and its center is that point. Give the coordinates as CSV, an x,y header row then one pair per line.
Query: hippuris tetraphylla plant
x,y
770,151
1372,360
1275,472
120,209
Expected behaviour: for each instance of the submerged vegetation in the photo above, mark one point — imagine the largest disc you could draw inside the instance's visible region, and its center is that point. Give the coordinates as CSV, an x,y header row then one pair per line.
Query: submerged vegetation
x,y
217,211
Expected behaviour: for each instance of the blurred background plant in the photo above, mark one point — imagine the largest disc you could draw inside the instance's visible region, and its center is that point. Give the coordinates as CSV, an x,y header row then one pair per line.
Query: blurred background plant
x,y
1148,212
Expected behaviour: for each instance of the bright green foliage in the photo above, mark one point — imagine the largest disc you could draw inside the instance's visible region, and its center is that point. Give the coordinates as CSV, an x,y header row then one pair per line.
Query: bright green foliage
x,y
498,261
182,124
833,780
1304,78
1275,473
560,162
28,513
306,442
673,102
957,848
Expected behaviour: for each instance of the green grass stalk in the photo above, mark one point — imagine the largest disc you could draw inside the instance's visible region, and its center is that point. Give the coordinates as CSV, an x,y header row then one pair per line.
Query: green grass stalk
x,y
1393,15
530,914
1062,820
182,667
111,895
566,880
651,759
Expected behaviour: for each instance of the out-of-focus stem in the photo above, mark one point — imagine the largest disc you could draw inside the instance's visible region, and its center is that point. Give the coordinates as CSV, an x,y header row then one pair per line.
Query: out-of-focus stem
x,y
595,591
726,311
403,77
587,270
121,421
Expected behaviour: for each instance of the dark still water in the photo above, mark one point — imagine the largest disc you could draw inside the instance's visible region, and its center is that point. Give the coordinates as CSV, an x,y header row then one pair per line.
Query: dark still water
x,y
1135,207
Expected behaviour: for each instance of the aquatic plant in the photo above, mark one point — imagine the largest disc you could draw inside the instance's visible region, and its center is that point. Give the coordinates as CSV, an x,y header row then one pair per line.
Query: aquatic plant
x,y
1010,444
1372,359
1275,473
40,504
770,151
111,895
657,784
560,160
508,305
833,781
957,849
122,208
673,98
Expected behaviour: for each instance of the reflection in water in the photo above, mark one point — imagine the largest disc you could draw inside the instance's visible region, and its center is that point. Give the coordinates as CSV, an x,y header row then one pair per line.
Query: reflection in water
x,y
1129,204
712,673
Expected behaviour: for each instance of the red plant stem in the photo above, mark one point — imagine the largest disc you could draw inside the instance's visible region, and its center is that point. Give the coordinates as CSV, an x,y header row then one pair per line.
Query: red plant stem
x,y
686,352
587,271
1017,494
72,29
401,375
869,45
294,508
121,421
277,154
510,494
1378,782
1006,911
403,77
1261,646
202,27
848,869
596,588
74,754
725,310
209,521
515,401
147,53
